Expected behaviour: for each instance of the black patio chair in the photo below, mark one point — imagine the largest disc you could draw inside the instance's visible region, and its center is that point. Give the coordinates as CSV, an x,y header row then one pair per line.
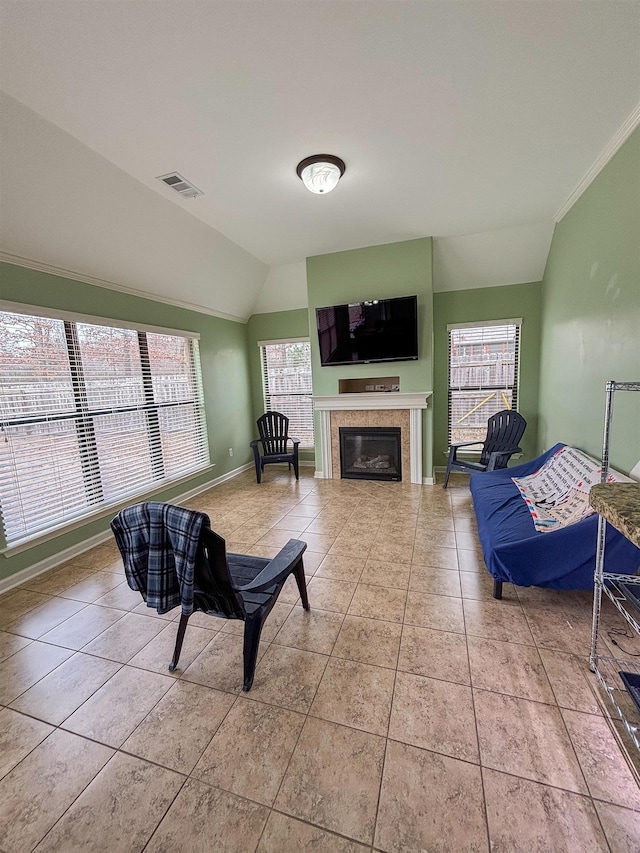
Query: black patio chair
x,y
230,586
504,431
274,438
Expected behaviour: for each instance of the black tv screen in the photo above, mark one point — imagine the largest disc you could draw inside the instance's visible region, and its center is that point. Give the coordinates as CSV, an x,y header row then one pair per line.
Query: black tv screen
x,y
362,332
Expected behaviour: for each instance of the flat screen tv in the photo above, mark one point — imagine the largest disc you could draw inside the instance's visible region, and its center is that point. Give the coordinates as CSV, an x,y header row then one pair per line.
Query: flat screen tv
x,y
364,332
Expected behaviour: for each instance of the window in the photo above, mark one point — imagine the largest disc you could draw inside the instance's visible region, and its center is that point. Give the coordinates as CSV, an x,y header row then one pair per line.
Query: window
x,y
91,415
483,376
286,380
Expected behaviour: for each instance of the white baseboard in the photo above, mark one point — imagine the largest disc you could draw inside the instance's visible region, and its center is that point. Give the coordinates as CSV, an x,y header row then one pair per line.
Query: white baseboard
x,y
87,544
428,481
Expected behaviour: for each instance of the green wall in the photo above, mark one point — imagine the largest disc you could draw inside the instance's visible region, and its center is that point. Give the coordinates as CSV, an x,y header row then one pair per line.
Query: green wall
x,y
591,315
478,305
377,272
272,327
225,372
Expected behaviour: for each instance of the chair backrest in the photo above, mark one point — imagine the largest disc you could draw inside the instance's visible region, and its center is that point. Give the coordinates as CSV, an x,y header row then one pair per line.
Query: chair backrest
x,y
274,432
504,431
213,592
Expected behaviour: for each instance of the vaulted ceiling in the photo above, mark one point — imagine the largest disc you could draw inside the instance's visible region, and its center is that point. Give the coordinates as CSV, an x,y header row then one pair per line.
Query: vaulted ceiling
x,y
471,122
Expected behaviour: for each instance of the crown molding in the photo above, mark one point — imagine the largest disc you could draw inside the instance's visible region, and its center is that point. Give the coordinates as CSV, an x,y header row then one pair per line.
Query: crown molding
x,y
29,263
614,144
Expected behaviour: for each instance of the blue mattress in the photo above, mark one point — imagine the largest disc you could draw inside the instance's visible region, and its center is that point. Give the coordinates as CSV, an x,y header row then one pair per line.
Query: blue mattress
x,y
516,552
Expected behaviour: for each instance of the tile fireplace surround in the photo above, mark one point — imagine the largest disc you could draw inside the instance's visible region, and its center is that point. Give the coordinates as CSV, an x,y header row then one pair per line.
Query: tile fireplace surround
x,y
395,408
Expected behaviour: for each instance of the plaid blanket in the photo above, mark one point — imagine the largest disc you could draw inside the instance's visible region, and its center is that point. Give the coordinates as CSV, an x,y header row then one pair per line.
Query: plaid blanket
x,y
158,543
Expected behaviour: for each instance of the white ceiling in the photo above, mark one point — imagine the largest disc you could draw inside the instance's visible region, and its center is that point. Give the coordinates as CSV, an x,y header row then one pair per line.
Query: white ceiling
x,y
455,119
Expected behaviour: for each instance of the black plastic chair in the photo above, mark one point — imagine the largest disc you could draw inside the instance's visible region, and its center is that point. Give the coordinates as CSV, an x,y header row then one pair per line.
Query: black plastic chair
x,y
274,438
504,431
231,586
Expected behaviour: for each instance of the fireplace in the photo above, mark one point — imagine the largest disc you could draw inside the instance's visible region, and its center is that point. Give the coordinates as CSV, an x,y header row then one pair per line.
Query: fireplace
x,y
370,453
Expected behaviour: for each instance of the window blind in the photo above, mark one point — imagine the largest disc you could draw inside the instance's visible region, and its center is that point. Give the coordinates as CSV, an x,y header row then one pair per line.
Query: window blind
x,y
91,415
286,381
483,376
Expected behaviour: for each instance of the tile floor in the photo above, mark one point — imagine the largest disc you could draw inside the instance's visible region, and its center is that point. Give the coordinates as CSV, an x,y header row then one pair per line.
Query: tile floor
x,y
408,711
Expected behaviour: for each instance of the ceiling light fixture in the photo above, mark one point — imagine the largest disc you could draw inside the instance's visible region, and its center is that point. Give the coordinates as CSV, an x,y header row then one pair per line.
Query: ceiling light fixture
x,y
321,172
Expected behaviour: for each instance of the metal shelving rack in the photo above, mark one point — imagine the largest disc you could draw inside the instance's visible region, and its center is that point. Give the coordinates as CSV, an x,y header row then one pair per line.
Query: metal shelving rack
x,y
607,668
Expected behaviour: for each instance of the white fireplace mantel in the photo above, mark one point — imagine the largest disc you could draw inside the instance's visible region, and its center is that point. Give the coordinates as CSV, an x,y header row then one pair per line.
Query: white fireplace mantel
x,y
414,402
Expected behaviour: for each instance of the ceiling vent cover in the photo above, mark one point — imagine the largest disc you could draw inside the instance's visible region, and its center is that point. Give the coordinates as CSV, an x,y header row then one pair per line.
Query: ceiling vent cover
x,y
180,185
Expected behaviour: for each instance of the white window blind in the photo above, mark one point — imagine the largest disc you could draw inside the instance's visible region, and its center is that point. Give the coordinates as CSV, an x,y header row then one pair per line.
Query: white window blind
x,y
91,415
286,380
483,376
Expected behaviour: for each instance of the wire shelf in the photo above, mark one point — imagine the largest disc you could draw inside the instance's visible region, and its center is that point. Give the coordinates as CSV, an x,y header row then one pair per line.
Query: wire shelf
x,y
608,671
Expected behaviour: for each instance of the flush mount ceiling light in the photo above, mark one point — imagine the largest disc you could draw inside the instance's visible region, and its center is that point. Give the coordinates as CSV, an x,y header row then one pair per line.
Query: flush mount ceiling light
x,y
321,172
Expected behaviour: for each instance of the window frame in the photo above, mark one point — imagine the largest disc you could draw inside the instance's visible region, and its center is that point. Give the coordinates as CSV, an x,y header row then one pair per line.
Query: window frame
x,y
84,414
513,388
262,345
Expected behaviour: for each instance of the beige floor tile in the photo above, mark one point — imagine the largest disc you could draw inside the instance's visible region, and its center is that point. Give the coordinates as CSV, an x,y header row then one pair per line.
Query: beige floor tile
x,y
388,551
607,773
433,714
526,817
434,654
289,593
368,641
355,694
17,602
251,750
275,621
319,543
283,834
203,818
55,580
315,783
430,802
119,810
325,594
440,612
220,663
26,666
434,581
60,693
471,561
125,638
44,617
121,597
467,540
425,554
113,712
43,785
92,587
310,630
19,734
434,537
526,739
572,682
559,629
10,644
158,652
350,545
288,677
389,574
509,668
621,827
378,602
84,626
177,731
497,620
340,568
479,586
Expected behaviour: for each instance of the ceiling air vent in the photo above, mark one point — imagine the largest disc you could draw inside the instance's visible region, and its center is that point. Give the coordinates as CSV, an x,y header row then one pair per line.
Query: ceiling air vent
x,y
180,185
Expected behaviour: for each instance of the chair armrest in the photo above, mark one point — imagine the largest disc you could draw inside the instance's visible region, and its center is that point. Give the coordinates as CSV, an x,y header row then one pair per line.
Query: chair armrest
x,y
277,569
458,444
493,457
295,440
255,443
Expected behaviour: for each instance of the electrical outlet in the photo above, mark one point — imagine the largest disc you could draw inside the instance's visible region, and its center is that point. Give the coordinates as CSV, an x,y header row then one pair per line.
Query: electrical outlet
x,y
368,387
395,387
379,387
231,451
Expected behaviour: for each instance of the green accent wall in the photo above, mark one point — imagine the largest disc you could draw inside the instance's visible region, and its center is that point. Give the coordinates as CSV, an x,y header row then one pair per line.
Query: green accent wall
x,y
376,272
478,305
225,373
591,315
274,326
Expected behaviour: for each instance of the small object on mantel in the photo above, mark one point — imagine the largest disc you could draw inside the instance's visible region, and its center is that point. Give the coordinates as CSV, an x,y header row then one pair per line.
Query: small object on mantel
x,y
619,504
